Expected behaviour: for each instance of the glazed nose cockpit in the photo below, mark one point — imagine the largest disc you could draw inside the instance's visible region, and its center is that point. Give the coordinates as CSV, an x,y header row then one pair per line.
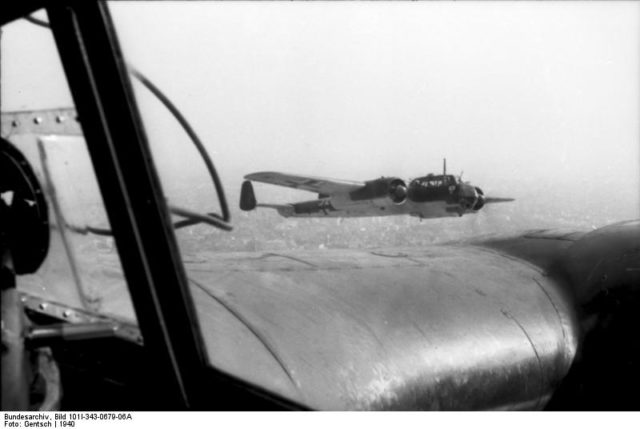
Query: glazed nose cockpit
x,y
471,197
480,199
467,197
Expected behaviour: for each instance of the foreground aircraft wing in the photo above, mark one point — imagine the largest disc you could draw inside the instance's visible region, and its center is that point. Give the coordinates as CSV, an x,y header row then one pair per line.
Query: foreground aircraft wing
x,y
491,324
540,319
307,183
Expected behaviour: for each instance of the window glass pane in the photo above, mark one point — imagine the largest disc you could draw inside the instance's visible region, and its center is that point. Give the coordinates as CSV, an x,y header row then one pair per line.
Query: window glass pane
x,y
533,101
82,269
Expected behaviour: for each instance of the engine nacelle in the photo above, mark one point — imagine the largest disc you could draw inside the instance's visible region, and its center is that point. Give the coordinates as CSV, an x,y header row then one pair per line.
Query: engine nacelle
x,y
386,187
397,191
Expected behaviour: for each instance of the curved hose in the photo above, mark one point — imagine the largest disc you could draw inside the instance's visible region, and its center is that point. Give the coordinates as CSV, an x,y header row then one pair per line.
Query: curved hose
x,y
37,21
192,135
193,218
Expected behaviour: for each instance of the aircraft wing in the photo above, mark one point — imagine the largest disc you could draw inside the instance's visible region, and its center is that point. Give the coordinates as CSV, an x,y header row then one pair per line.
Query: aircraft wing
x,y
308,183
491,324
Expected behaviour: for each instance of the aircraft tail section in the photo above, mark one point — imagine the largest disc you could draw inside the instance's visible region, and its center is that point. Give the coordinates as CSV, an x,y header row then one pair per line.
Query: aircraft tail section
x,y
247,197
285,210
248,201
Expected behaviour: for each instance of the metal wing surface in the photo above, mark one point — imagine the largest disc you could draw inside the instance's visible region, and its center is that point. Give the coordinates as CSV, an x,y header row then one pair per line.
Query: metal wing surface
x,y
486,325
307,183
534,320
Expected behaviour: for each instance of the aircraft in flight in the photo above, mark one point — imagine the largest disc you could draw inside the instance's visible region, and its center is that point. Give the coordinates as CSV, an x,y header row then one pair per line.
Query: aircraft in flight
x,y
427,197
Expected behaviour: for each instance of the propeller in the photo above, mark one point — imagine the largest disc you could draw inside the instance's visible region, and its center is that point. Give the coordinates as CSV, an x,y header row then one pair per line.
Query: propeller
x,y
488,221
488,200
482,200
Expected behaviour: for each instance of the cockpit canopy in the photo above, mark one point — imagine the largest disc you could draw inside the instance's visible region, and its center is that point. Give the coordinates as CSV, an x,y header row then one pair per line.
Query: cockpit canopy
x,y
436,180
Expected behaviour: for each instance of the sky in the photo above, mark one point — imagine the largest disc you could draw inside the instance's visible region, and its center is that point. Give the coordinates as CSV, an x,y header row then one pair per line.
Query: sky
x,y
536,100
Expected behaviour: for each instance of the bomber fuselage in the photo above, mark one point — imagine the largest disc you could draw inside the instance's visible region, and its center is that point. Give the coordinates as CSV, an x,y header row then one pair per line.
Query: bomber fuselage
x,y
431,196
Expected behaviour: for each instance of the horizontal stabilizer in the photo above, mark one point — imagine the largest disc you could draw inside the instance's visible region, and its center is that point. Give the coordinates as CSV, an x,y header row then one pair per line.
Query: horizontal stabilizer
x,y
285,210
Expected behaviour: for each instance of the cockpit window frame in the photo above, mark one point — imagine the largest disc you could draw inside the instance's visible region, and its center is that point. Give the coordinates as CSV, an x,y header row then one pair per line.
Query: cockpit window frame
x,y
102,92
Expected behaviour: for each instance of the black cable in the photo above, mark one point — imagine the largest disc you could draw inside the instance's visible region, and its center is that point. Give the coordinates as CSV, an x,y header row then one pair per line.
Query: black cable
x,y
193,218
37,21
189,222
194,138
84,230
198,218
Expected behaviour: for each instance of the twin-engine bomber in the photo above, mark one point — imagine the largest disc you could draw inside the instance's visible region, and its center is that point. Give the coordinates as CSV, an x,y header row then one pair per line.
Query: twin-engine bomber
x,y
427,197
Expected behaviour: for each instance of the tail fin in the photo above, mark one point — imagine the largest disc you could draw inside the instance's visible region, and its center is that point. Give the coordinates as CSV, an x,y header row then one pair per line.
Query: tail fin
x,y
248,201
247,197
